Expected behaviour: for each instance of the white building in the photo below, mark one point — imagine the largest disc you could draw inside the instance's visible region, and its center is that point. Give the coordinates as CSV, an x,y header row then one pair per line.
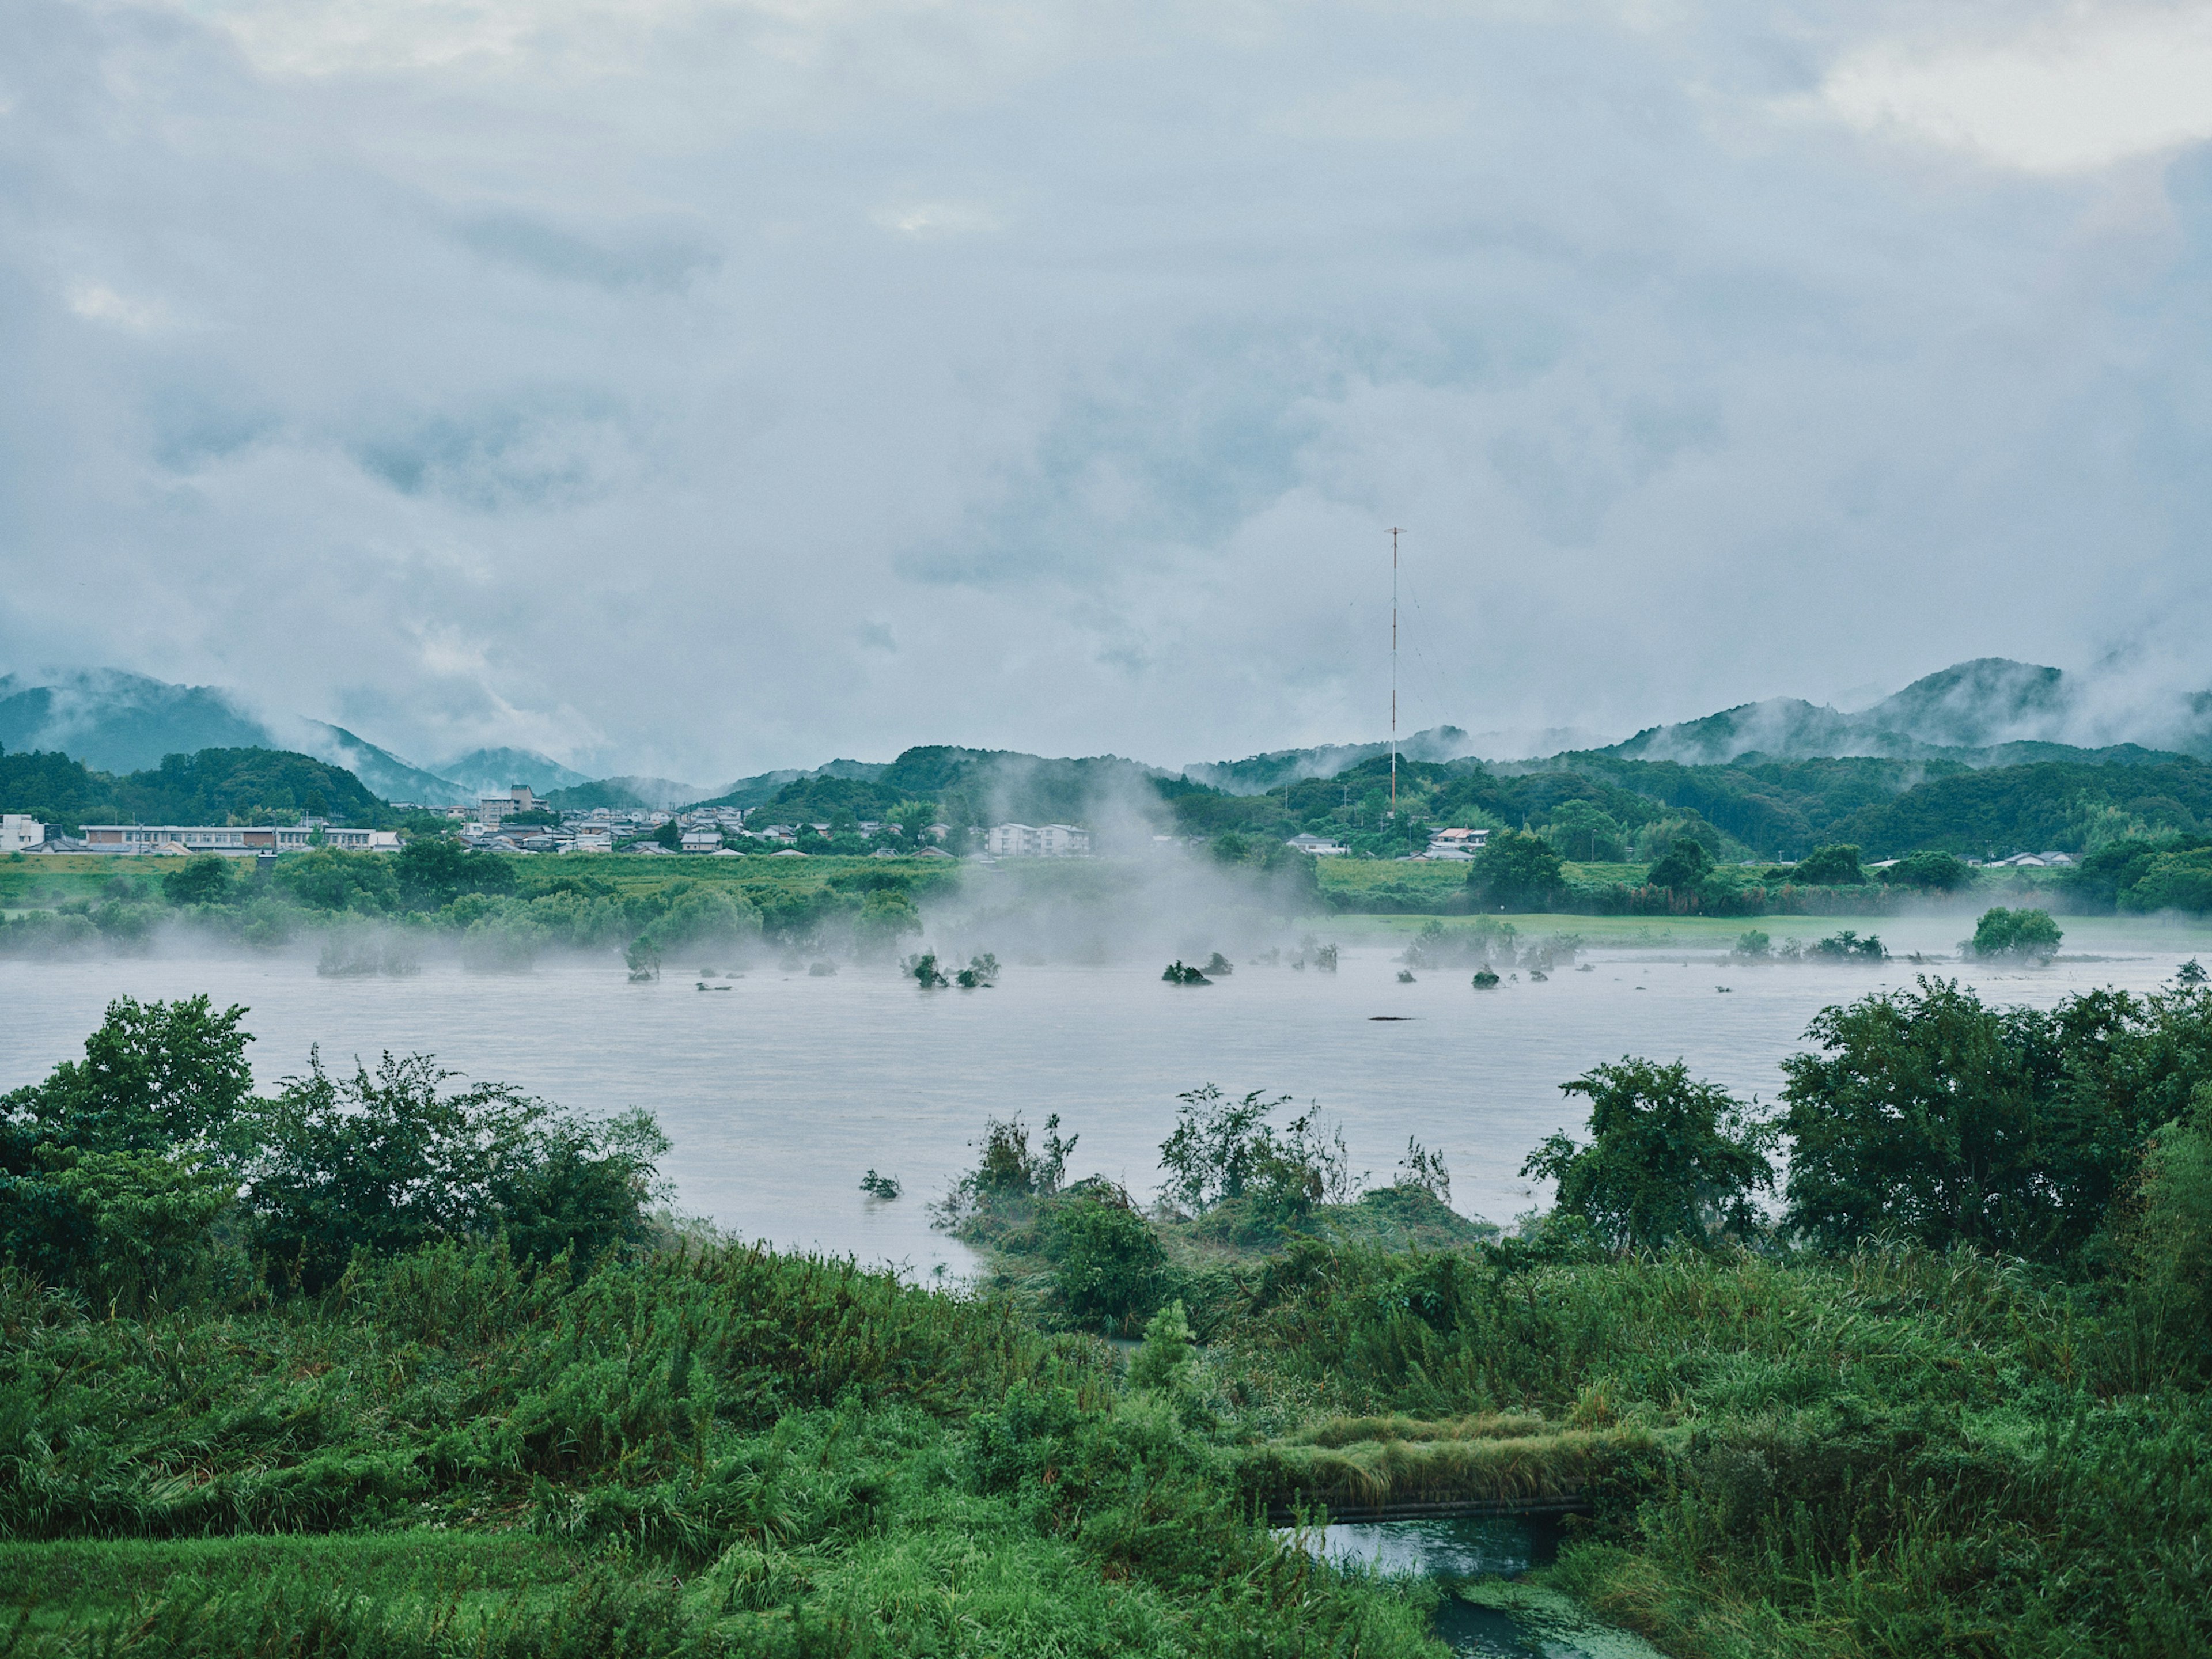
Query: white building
x,y
20,831
1063,841
1051,840
703,841
1320,845
233,840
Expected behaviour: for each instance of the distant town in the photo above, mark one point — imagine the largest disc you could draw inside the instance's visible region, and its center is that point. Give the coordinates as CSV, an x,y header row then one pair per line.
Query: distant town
x,y
519,821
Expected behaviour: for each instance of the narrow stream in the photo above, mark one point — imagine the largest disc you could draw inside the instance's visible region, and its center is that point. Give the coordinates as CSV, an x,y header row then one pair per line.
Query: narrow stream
x,y
1486,1612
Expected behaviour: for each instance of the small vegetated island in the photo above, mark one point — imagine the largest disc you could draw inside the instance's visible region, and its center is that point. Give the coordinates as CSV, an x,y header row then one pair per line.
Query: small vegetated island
x,y
387,1362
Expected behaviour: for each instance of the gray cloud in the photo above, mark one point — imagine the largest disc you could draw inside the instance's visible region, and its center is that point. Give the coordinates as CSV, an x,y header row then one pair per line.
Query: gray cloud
x,y
626,382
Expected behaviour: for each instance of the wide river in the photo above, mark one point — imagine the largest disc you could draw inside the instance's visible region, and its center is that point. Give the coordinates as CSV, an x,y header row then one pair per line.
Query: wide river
x,y
779,1091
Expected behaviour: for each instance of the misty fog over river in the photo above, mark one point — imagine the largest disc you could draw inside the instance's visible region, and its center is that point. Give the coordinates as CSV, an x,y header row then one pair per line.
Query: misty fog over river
x,y
779,1091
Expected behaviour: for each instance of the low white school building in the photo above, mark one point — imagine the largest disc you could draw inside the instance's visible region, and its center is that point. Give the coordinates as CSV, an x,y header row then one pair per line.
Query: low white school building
x,y
233,840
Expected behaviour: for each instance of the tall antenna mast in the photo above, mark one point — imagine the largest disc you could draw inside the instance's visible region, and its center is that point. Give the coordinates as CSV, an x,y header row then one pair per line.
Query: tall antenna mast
x,y
1393,672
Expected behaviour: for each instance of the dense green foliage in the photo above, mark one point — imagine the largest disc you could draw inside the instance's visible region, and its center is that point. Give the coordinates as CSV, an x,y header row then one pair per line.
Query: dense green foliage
x,y
1670,1159
2026,933
1875,1430
1933,1117
215,786
1937,873
150,1165
1516,871
1834,865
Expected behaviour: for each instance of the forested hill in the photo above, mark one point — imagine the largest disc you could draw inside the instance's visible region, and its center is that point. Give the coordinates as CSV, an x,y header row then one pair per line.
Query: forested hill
x,y
1769,809
211,786
970,786
1600,806
1891,807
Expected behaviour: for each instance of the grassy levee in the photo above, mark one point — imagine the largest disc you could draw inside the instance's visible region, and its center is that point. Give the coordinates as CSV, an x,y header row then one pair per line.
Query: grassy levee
x,y
1400,1461
1888,1453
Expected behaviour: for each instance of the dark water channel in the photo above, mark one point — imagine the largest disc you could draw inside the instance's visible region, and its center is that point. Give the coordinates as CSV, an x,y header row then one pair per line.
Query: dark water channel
x,y
1485,1613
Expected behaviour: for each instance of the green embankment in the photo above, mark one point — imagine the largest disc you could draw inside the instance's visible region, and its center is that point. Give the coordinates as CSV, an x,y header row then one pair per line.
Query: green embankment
x,y
223,1433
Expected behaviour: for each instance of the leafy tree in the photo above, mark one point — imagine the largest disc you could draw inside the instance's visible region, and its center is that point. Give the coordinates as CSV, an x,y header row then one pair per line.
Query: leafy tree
x,y
2173,881
887,915
432,875
114,1169
1583,830
146,1220
1938,873
2103,873
1009,1167
329,879
2169,1241
2002,932
1218,1144
156,1077
1230,847
1940,1119
202,880
701,918
1223,1149
669,834
1516,871
912,819
1829,866
393,1160
1849,946
1685,865
1669,1158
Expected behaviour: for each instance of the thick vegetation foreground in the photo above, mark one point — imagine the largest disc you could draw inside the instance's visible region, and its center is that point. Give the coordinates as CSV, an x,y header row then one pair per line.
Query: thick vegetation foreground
x,y
376,1367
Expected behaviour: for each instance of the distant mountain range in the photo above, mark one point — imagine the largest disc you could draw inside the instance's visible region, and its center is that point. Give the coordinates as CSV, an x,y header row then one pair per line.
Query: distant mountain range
x,y
118,722
122,723
1261,773
1991,709
1989,712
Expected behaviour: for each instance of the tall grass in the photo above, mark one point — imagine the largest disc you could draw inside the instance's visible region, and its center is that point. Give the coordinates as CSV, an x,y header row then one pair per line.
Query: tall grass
x,y
718,1450
1891,1452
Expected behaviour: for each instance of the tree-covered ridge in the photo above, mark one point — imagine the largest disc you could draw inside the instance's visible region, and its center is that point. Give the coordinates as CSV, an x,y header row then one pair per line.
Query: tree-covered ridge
x,y
215,785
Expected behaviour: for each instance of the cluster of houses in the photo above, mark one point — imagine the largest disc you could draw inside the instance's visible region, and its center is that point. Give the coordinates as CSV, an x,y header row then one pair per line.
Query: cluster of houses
x,y
703,830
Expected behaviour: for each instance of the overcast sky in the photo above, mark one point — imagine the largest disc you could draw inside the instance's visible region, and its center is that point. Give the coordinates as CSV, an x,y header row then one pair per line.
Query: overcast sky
x,y
698,387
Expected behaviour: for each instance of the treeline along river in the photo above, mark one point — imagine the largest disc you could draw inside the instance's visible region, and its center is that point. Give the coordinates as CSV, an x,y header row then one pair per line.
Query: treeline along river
x,y
780,1091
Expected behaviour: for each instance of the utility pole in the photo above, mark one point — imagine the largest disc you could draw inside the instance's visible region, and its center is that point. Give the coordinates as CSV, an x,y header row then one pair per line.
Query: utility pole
x,y
1394,673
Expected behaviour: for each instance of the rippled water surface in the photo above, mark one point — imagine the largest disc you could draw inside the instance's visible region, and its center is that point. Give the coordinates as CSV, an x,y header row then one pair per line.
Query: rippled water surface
x,y
780,1091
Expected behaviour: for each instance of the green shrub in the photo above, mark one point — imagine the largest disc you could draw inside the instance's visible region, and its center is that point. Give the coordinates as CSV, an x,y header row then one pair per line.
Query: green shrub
x,y
1829,866
2031,934
1938,873
202,880
1109,1264
1669,1159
